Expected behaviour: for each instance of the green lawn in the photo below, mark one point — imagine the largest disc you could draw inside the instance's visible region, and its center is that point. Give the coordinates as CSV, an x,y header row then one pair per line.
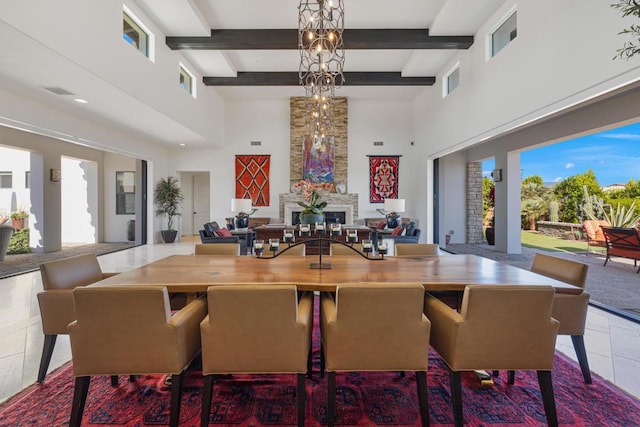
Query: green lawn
x,y
533,239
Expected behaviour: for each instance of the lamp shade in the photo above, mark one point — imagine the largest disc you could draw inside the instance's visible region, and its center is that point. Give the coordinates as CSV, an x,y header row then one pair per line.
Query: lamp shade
x,y
241,205
394,205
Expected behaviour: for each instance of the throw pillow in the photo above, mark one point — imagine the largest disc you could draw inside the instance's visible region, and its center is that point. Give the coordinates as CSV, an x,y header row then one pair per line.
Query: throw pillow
x,y
397,231
382,224
223,232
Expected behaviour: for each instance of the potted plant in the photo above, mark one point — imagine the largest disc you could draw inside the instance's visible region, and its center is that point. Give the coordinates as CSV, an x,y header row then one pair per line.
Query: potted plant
x,y
313,207
490,231
17,219
168,198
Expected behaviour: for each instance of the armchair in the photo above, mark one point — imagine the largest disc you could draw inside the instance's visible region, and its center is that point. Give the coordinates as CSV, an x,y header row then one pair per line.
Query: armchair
x,y
595,236
209,234
622,242
522,336
59,278
130,330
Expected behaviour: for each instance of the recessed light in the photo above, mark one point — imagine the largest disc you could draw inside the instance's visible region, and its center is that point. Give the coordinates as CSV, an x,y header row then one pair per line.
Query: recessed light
x,y
182,144
80,100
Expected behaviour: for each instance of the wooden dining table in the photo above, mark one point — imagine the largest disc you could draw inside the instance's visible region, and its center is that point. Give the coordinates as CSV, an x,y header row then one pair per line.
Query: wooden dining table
x,y
195,273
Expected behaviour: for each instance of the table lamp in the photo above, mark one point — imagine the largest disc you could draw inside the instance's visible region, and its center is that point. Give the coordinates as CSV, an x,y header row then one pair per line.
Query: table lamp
x,y
393,207
243,209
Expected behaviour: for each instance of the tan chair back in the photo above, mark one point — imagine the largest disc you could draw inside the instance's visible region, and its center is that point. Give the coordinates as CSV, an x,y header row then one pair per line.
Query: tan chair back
x,y
416,249
68,273
129,330
561,269
338,249
376,327
499,327
299,250
217,249
261,329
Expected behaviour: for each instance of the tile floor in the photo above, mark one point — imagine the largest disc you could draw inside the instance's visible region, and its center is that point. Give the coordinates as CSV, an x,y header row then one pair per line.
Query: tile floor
x,y
613,344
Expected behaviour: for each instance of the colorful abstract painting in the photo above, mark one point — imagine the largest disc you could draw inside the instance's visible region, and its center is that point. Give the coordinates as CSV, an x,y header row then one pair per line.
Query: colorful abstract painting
x,y
318,159
383,178
252,178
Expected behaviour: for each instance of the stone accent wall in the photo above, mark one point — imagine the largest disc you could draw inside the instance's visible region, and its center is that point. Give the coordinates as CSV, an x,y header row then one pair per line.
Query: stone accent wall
x,y
299,129
474,203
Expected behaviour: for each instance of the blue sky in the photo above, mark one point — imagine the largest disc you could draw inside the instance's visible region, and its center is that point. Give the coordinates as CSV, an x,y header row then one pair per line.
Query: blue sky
x,y
613,155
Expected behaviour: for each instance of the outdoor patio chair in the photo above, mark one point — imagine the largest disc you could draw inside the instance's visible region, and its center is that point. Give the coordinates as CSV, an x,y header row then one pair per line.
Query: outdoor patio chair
x,y
622,242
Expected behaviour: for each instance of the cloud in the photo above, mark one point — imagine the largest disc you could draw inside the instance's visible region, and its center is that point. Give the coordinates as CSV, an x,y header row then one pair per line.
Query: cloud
x,y
625,136
570,166
558,179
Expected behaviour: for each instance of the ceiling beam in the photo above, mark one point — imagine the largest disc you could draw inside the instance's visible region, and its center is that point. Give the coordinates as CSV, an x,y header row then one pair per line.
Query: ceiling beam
x,y
288,39
292,79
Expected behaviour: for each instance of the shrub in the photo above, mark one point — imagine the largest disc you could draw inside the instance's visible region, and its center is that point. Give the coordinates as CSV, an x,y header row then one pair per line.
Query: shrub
x,y
19,243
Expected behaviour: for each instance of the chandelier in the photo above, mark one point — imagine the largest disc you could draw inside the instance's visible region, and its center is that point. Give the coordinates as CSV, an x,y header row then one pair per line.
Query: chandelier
x,y
320,27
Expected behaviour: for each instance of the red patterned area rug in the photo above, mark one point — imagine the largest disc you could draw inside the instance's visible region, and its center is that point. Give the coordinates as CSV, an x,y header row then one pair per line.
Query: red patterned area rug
x,y
364,399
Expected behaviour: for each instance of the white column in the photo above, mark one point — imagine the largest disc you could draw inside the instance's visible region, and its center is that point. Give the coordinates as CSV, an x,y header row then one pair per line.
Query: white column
x,y
507,202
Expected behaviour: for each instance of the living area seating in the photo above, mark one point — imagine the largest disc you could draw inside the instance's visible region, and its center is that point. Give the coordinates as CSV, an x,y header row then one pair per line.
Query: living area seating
x,y
595,236
499,327
375,327
130,330
59,278
622,242
568,309
405,233
256,329
212,233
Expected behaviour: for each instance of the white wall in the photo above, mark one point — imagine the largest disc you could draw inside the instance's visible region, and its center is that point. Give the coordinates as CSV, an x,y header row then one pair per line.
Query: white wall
x,y
17,197
115,226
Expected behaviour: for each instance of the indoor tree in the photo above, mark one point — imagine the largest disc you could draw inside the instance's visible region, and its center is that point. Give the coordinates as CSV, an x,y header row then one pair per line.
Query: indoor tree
x,y
168,199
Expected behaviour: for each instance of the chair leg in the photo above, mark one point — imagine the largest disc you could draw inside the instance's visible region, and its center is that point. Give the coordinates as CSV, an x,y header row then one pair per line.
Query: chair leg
x,y
79,399
114,381
331,399
322,366
207,396
606,260
47,351
549,401
132,378
511,377
176,399
301,394
455,381
423,398
309,364
495,373
581,352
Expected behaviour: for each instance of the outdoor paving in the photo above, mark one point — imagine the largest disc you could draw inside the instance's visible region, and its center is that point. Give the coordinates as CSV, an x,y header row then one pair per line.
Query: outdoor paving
x,y
616,285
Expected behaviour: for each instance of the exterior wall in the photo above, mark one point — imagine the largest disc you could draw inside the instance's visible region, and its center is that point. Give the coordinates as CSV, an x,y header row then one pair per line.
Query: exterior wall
x,y
452,198
79,201
115,226
474,202
17,197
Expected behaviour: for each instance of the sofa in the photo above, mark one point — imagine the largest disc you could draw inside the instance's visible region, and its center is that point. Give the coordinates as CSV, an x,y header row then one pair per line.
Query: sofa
x,y
409,234
209,234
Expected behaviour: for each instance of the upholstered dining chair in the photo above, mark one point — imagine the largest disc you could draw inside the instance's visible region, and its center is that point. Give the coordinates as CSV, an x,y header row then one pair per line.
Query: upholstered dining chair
x,y
256,329
59,278
417,249
217,249
500,327
375,327
569,309
130,330
338,249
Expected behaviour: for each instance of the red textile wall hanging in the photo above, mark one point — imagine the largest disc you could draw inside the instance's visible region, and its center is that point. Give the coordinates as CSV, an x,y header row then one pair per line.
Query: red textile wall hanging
x,y
252,178
383,178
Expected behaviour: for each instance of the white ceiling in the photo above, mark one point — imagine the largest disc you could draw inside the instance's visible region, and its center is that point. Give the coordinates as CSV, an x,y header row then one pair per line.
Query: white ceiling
x,y
26,65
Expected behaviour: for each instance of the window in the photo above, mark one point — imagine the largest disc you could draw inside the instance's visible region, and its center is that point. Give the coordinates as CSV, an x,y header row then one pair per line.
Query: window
x,y
506,32
125,193
186,81
451,80
27,179
136,34
6,179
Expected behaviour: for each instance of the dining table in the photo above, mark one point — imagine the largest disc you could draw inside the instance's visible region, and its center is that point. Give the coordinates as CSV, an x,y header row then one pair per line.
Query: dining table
x,y
195,273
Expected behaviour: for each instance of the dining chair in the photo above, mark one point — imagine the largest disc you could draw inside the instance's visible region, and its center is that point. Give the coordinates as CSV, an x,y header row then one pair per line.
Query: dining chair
x,y
499,327
256,329
59,278
569,309
417,249
130,330
217,249
375,327
339,249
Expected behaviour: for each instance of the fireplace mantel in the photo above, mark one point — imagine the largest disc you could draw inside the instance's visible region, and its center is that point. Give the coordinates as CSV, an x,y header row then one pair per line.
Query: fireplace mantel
x,y
336,202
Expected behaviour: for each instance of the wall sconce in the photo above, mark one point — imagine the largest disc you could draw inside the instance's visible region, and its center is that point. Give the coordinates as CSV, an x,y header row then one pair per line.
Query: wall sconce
x,y
54,175
496,175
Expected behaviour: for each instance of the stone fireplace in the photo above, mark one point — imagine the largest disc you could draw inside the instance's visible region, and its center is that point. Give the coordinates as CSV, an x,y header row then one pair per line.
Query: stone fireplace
x,y
336,202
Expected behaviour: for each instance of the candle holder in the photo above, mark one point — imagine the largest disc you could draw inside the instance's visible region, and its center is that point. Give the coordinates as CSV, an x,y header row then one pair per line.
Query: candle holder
x,y
289,236
367,247
336,230
258,247
274,245
321,228
352,236
304,230
382,248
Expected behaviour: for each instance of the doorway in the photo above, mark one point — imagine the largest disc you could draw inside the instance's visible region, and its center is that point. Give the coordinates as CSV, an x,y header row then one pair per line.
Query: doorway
x,y
197,211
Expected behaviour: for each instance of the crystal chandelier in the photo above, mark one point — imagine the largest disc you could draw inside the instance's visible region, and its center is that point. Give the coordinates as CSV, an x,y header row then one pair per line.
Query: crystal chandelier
x,y
320,27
